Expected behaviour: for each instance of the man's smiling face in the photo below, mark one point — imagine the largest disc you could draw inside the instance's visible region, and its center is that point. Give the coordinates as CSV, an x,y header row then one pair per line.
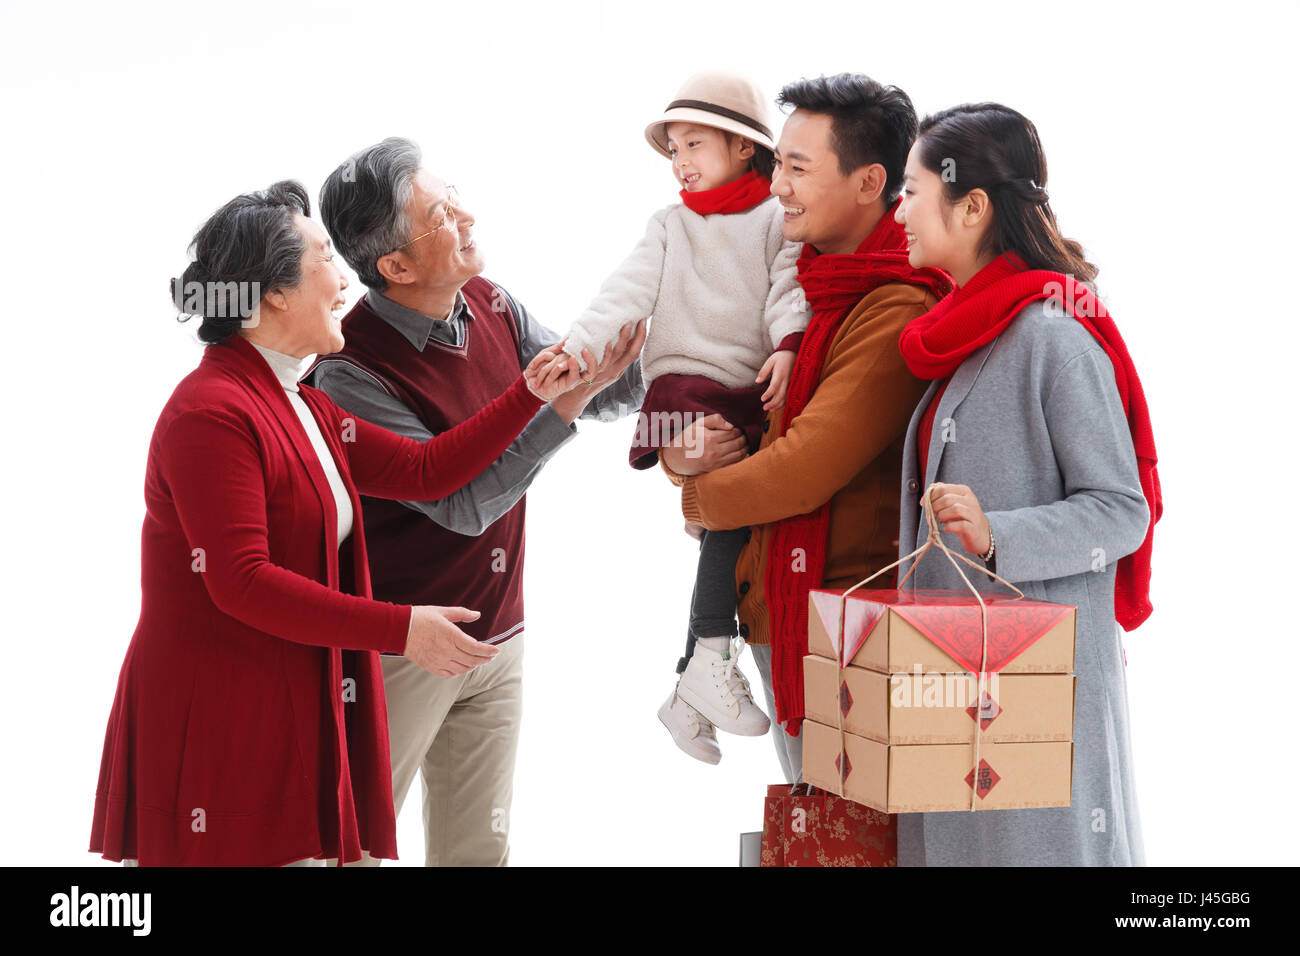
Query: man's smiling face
x,y
450,254
820,202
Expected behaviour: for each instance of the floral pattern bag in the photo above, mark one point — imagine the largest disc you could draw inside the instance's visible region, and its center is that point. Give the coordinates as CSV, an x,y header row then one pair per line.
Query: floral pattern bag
x,y
773,813
806,826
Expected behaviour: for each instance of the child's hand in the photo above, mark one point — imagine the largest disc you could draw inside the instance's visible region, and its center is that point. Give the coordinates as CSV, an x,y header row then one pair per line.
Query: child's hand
x,y
618,355
778,365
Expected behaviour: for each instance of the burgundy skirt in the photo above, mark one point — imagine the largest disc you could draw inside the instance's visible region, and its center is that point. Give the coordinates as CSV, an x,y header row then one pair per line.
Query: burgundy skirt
x,y
674,401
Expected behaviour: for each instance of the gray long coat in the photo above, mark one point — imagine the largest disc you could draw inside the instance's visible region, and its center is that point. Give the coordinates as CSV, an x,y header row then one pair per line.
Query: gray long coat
x,y
1033,424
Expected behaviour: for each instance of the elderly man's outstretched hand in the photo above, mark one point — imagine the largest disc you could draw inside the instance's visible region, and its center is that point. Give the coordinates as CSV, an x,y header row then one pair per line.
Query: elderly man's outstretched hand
x,y
619,354
552,365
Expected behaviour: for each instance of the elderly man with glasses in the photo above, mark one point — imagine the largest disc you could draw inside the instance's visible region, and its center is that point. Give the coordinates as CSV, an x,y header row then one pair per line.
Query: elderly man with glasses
x,y
430,343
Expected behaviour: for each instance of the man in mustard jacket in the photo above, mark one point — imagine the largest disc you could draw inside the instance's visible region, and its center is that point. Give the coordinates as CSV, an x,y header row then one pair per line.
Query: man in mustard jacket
x,y
826,473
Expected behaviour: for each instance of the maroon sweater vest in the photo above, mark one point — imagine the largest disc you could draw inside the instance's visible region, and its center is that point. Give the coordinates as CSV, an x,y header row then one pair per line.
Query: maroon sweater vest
x,y
414,560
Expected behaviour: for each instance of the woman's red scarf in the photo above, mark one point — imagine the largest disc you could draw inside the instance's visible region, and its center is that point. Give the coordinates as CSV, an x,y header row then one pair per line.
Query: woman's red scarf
x,y
736,196
977,313
796,558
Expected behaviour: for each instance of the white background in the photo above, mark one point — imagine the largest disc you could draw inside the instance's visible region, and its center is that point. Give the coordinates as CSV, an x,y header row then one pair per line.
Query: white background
x,y
1170,137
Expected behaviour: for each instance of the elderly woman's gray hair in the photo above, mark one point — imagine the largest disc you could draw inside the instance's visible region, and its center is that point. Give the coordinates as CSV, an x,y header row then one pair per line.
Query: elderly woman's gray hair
x,y
248,247
364,205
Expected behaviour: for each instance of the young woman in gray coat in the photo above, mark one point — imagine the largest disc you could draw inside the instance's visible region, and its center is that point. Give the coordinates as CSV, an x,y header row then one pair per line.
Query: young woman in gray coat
x,y
1028,432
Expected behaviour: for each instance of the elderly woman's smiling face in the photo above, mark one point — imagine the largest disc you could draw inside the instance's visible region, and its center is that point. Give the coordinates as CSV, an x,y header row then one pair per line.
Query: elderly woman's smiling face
x,y
303,320
321,289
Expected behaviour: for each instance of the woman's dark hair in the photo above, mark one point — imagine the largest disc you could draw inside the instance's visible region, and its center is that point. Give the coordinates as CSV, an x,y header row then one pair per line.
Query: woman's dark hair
x,y
870,122
992,147
248,247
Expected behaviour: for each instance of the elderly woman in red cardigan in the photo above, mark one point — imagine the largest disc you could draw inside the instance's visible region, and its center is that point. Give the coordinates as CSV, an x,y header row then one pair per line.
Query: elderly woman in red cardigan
x,y
249,725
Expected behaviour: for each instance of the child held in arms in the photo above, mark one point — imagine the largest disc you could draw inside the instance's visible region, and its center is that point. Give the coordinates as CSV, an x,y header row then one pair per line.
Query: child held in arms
x,y
727,314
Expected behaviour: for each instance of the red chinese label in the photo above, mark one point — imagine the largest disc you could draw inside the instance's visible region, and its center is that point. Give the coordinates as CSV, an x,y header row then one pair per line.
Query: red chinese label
x,y
988,779
843,766
988,710
846,699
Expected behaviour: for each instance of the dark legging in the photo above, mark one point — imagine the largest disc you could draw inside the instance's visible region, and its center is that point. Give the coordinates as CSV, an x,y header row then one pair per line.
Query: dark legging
x,y
713,602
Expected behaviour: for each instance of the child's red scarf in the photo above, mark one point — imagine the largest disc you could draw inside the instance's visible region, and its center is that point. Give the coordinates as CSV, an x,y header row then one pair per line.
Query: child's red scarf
x,y
736,196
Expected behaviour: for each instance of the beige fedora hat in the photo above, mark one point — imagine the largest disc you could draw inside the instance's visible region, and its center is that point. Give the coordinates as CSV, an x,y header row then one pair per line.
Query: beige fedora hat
x,y
721,100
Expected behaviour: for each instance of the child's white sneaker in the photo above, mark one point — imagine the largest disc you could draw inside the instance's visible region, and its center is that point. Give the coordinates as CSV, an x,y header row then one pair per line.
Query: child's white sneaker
x,y
714,685
691,731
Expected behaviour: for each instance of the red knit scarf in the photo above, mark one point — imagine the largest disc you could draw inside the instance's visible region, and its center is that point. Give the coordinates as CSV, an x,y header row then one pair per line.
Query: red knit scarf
x,y
977,313
736,196
796,558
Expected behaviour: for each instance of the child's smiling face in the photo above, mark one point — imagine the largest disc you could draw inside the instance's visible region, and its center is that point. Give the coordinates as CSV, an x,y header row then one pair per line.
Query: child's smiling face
x,y
706,158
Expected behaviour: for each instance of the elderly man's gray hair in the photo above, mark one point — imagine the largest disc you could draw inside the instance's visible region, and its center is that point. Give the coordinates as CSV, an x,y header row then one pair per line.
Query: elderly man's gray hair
x,y
364,204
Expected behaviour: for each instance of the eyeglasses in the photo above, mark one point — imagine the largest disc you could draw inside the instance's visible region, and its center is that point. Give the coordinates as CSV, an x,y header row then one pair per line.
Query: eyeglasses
x,y
451,203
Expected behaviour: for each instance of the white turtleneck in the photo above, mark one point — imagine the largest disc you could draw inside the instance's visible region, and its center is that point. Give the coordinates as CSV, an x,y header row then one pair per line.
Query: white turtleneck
x,y
288,370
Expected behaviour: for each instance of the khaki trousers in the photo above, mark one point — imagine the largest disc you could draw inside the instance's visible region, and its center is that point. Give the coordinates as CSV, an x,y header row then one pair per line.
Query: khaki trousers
x,y
461,734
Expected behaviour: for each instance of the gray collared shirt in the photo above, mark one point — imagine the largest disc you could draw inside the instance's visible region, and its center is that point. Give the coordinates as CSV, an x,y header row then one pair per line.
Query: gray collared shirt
x,y
474,507
418,328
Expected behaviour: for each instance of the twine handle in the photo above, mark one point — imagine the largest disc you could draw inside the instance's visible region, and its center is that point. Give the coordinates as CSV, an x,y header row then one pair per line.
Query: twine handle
x,y
933,538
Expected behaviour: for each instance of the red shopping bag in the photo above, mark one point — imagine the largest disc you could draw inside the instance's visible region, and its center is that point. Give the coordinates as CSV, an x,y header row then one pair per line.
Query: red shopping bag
x,y
773,812
816,828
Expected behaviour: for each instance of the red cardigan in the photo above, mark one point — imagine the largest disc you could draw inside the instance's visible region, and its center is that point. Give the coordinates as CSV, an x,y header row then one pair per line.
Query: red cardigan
x,y
249,725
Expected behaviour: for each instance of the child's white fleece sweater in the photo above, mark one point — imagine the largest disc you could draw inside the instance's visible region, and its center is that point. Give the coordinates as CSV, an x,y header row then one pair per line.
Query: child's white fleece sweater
x,y
721,289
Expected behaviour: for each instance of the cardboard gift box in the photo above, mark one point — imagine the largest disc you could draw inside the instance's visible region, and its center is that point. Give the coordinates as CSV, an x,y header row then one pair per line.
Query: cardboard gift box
x,y
938,708
891,691
920,778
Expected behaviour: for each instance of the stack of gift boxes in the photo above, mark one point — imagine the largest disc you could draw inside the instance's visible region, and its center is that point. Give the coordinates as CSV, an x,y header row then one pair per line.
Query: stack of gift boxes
x,y
893,707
